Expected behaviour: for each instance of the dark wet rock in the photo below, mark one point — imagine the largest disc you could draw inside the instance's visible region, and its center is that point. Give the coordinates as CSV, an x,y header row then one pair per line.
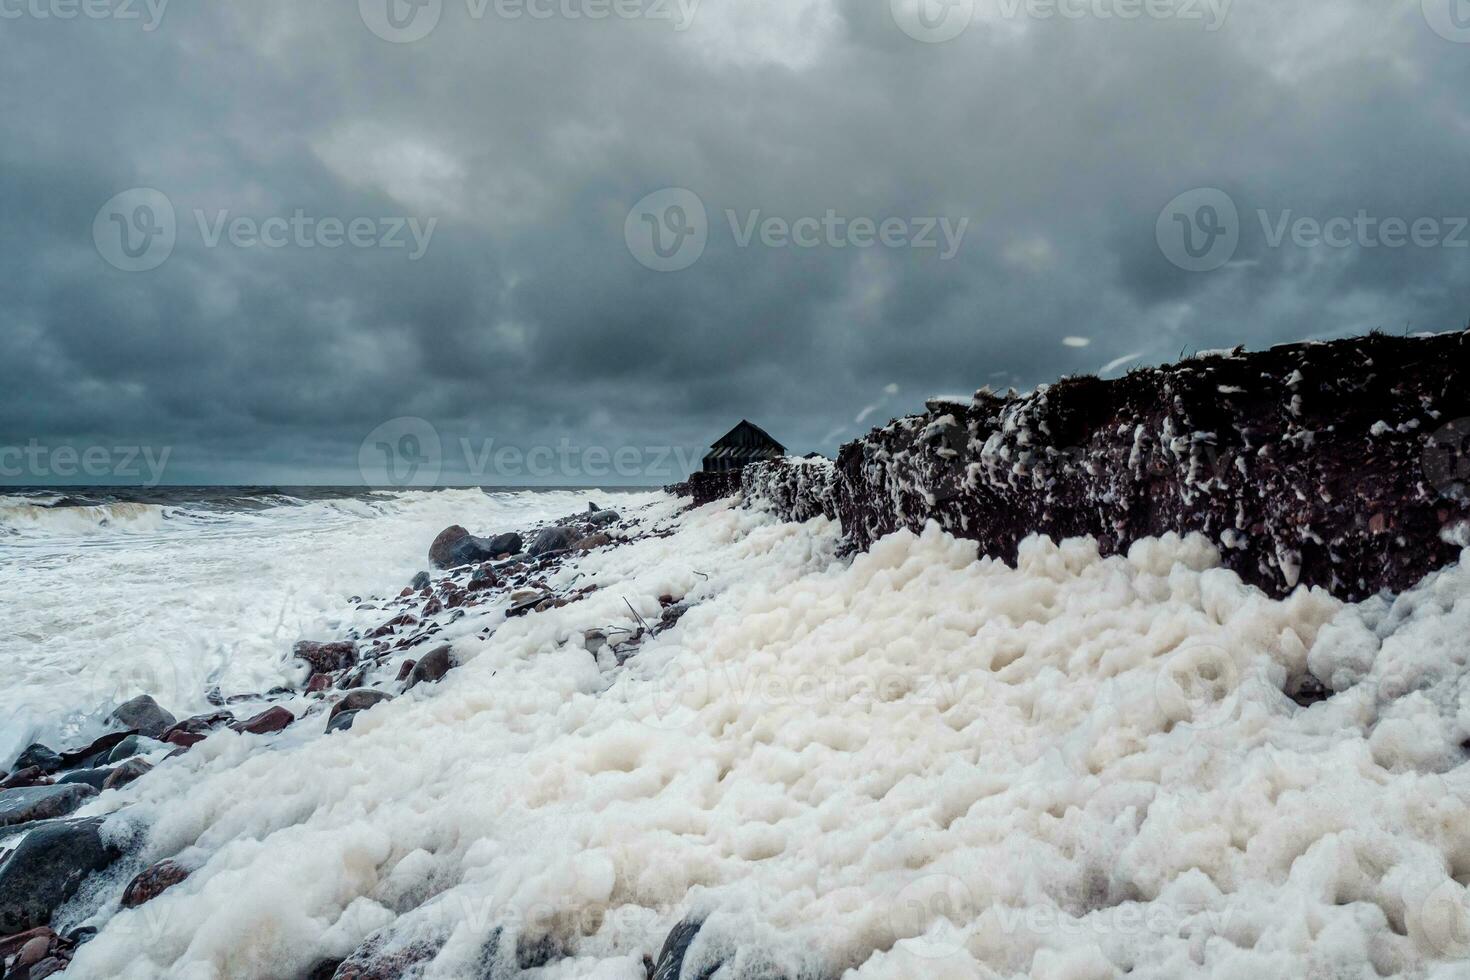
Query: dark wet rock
x,y
318,683
1301,462
394,625
551,539
359,700
341,722
193,730
126,772
28,948
40,757
420,581
325,658
599,540
96,753
273,719
46,870
405,669
48,967
85,777
670,963
143,715
385,957
432,666
455,547
42,802
1309,691
706,488
441,552
131,746
152,882
670,617
602,518
29,776
483,578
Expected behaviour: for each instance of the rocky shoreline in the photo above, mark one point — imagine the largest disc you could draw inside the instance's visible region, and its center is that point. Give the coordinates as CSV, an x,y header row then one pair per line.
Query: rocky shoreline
x,y
1339,464
58,854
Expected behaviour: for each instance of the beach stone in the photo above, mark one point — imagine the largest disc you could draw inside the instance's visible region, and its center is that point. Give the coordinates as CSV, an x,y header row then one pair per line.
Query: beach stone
x,y
41,757
273,719
549,539
126,773
35,950
671,958
483,578
325,658
85,777
605,517
133,745
341,722
359,700
42,802
143,715
420,581
591,541
432,666
405,669
96,753
29,776
47,869
153,881
50,966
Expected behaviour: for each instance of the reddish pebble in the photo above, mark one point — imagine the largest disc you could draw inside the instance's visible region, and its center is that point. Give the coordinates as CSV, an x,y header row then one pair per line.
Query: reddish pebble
x,y
270,720
152,882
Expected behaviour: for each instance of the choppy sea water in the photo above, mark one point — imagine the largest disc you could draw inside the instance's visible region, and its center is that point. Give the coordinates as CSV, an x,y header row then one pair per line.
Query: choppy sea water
x,y
172,592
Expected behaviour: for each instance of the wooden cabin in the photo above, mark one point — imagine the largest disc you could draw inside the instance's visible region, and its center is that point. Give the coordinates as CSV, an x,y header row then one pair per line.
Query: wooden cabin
x,y
746,443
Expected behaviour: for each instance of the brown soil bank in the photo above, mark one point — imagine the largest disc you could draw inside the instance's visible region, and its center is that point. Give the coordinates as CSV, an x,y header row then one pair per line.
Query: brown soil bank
x,y
1340,464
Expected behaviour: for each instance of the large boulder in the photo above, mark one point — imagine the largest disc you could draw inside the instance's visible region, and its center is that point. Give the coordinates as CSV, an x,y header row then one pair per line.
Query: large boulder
x,y
455,547
272,719
550,539
42,802
46,870
143,715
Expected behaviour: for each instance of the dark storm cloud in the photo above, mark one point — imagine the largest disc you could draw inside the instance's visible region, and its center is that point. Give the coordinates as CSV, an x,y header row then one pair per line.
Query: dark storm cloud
x,y
528,321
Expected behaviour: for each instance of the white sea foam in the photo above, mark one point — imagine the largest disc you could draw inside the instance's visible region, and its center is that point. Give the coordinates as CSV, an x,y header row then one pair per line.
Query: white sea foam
x,y
913,764
109,601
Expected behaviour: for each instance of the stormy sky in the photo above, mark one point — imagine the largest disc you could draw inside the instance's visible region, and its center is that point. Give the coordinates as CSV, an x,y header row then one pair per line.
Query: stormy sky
x,y
272,237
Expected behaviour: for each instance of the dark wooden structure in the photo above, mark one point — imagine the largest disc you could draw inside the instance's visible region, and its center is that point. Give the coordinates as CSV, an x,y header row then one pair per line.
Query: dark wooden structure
x,y
745,444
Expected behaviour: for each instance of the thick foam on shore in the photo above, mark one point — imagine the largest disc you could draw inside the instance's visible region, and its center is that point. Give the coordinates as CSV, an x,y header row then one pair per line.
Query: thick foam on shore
x,y
910,764
108,601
